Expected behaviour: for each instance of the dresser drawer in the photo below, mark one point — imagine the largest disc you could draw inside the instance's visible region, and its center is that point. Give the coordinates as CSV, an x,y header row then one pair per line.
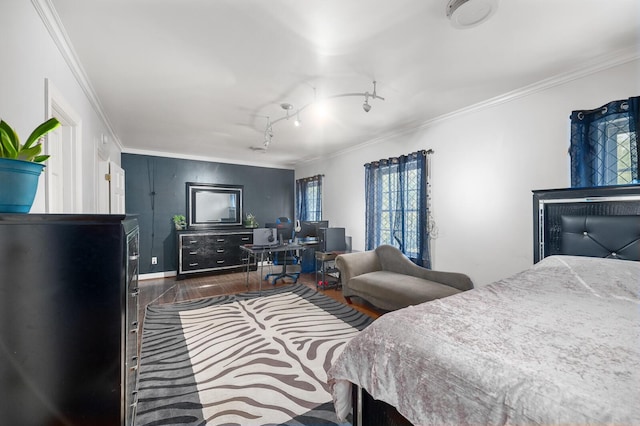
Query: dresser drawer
x,y
193,241
194,259
228,240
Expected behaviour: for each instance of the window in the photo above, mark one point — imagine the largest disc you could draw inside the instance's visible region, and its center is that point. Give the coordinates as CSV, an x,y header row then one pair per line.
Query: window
x,y
621,167
396,205
604,148
309,198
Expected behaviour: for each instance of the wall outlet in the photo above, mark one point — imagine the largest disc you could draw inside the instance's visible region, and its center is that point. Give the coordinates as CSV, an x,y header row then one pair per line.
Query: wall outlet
x,y
154,260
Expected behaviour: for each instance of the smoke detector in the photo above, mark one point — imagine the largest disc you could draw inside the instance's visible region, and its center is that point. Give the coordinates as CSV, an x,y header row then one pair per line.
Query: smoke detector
x,y
470,13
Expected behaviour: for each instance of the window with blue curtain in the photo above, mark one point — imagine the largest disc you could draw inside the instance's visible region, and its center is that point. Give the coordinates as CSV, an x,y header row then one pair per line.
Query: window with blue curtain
x,y
309,198
604,144
397,207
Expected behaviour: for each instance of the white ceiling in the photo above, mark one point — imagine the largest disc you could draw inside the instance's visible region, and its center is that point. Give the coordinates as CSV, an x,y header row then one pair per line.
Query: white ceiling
x,y
199,77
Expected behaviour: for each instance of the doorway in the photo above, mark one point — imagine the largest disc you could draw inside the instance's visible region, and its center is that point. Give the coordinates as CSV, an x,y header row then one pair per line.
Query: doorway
x,y
63,174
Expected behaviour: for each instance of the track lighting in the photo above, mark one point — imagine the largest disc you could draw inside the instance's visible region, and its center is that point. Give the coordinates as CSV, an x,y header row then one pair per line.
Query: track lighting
x,y
268,132
365,106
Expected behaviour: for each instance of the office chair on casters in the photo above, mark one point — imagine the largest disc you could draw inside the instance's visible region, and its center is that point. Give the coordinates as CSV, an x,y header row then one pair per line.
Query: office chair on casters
x,y
284,258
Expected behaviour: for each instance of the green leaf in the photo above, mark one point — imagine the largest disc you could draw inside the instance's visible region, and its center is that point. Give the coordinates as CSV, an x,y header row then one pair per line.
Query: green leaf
x,y
8,150
40,158
30,153
11,134
40,131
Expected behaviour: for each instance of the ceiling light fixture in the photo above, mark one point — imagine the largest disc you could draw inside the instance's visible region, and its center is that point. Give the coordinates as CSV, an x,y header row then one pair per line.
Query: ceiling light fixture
x,y
365,106
470,13
268,131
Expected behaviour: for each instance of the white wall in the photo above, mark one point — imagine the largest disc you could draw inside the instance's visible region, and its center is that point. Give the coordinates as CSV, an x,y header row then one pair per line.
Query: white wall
x,y
486,163
29,56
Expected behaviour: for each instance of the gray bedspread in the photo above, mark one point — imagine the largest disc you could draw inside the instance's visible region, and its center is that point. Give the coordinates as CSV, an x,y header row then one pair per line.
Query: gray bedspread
x,y
558,343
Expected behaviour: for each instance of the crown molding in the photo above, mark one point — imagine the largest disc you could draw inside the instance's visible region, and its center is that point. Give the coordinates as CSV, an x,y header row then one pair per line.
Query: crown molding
x,y
54,26
152,153
601,63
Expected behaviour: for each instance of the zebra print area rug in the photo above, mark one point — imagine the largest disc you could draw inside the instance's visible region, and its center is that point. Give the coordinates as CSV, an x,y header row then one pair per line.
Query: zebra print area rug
x,y
245,359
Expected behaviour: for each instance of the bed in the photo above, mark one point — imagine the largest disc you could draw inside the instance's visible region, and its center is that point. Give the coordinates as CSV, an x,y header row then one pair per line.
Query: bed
x,y
558,343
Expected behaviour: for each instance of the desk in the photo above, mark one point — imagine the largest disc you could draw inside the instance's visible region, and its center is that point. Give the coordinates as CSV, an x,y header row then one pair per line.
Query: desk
x,y
261,251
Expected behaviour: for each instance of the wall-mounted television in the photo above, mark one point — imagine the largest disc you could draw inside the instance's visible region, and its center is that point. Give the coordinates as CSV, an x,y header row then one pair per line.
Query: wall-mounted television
x,y
212,205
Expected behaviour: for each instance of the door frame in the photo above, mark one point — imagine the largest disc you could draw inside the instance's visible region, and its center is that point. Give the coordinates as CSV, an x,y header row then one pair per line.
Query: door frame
x,y
57,106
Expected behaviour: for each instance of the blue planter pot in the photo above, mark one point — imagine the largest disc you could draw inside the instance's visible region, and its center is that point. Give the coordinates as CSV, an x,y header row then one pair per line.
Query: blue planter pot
x,y
18,185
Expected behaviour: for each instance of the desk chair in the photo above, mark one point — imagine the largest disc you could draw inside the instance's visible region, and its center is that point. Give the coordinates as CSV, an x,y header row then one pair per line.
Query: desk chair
x,y
285,232
284,259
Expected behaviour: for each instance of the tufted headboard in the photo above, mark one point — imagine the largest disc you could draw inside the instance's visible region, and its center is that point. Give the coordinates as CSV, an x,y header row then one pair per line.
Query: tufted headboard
x,y
609,215
616,237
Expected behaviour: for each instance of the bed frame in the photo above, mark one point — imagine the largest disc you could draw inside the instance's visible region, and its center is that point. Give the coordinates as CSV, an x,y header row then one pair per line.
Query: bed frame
x,y
593,225
595,222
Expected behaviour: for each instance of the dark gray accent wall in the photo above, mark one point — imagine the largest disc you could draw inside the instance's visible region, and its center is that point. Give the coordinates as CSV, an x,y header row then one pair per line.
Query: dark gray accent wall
x,y
156,190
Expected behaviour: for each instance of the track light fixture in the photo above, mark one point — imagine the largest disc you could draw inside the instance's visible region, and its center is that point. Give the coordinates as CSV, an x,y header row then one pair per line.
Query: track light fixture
x,y
288,108
365,106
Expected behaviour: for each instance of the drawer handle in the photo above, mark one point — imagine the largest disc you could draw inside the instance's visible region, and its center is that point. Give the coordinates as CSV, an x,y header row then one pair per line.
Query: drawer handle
x,y
220,240
193,241
134,358
135,291
220,262
133,368
133,331
220,251
245,238
134,324
193,264
193,252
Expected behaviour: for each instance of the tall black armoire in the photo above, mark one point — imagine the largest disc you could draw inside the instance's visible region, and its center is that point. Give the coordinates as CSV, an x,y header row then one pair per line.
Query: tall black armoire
x,y
68,319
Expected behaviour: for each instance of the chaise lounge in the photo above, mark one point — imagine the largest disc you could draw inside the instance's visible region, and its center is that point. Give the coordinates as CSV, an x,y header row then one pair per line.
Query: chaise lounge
x,y
387,279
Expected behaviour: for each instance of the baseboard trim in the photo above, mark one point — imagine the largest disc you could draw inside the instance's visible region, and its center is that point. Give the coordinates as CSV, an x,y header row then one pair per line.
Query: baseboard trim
x,y
156,275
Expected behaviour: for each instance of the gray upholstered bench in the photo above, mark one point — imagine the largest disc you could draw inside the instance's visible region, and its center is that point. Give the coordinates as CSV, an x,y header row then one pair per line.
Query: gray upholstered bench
x,y
386,278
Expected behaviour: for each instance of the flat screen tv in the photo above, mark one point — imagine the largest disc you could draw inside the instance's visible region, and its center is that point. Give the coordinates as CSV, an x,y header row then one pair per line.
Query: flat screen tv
x,y
212,205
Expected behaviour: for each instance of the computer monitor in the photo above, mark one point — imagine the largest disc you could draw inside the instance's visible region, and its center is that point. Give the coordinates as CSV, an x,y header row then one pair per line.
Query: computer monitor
x,y
310,228
284,230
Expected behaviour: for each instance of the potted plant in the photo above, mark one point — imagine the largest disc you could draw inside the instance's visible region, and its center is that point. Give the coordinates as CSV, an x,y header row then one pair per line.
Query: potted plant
x,y
21,166
180,222
250,221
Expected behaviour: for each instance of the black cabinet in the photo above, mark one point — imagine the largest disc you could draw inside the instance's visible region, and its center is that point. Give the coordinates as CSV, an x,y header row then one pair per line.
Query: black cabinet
x,y
68,319
210,250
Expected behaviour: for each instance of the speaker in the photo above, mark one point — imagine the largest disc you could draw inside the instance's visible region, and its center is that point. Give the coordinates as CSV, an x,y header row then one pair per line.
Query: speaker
x,y
332,239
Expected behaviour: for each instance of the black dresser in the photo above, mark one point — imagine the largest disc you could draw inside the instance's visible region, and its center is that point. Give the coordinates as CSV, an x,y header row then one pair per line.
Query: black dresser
x,y
211,250
68,319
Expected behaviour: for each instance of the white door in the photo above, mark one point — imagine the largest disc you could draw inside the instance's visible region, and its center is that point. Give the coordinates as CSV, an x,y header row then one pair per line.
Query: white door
x,y
103,192
63,171
116,188
55,172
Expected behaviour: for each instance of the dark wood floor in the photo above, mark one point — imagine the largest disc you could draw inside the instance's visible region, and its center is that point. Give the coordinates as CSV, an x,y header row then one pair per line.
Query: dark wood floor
x,y
170,290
